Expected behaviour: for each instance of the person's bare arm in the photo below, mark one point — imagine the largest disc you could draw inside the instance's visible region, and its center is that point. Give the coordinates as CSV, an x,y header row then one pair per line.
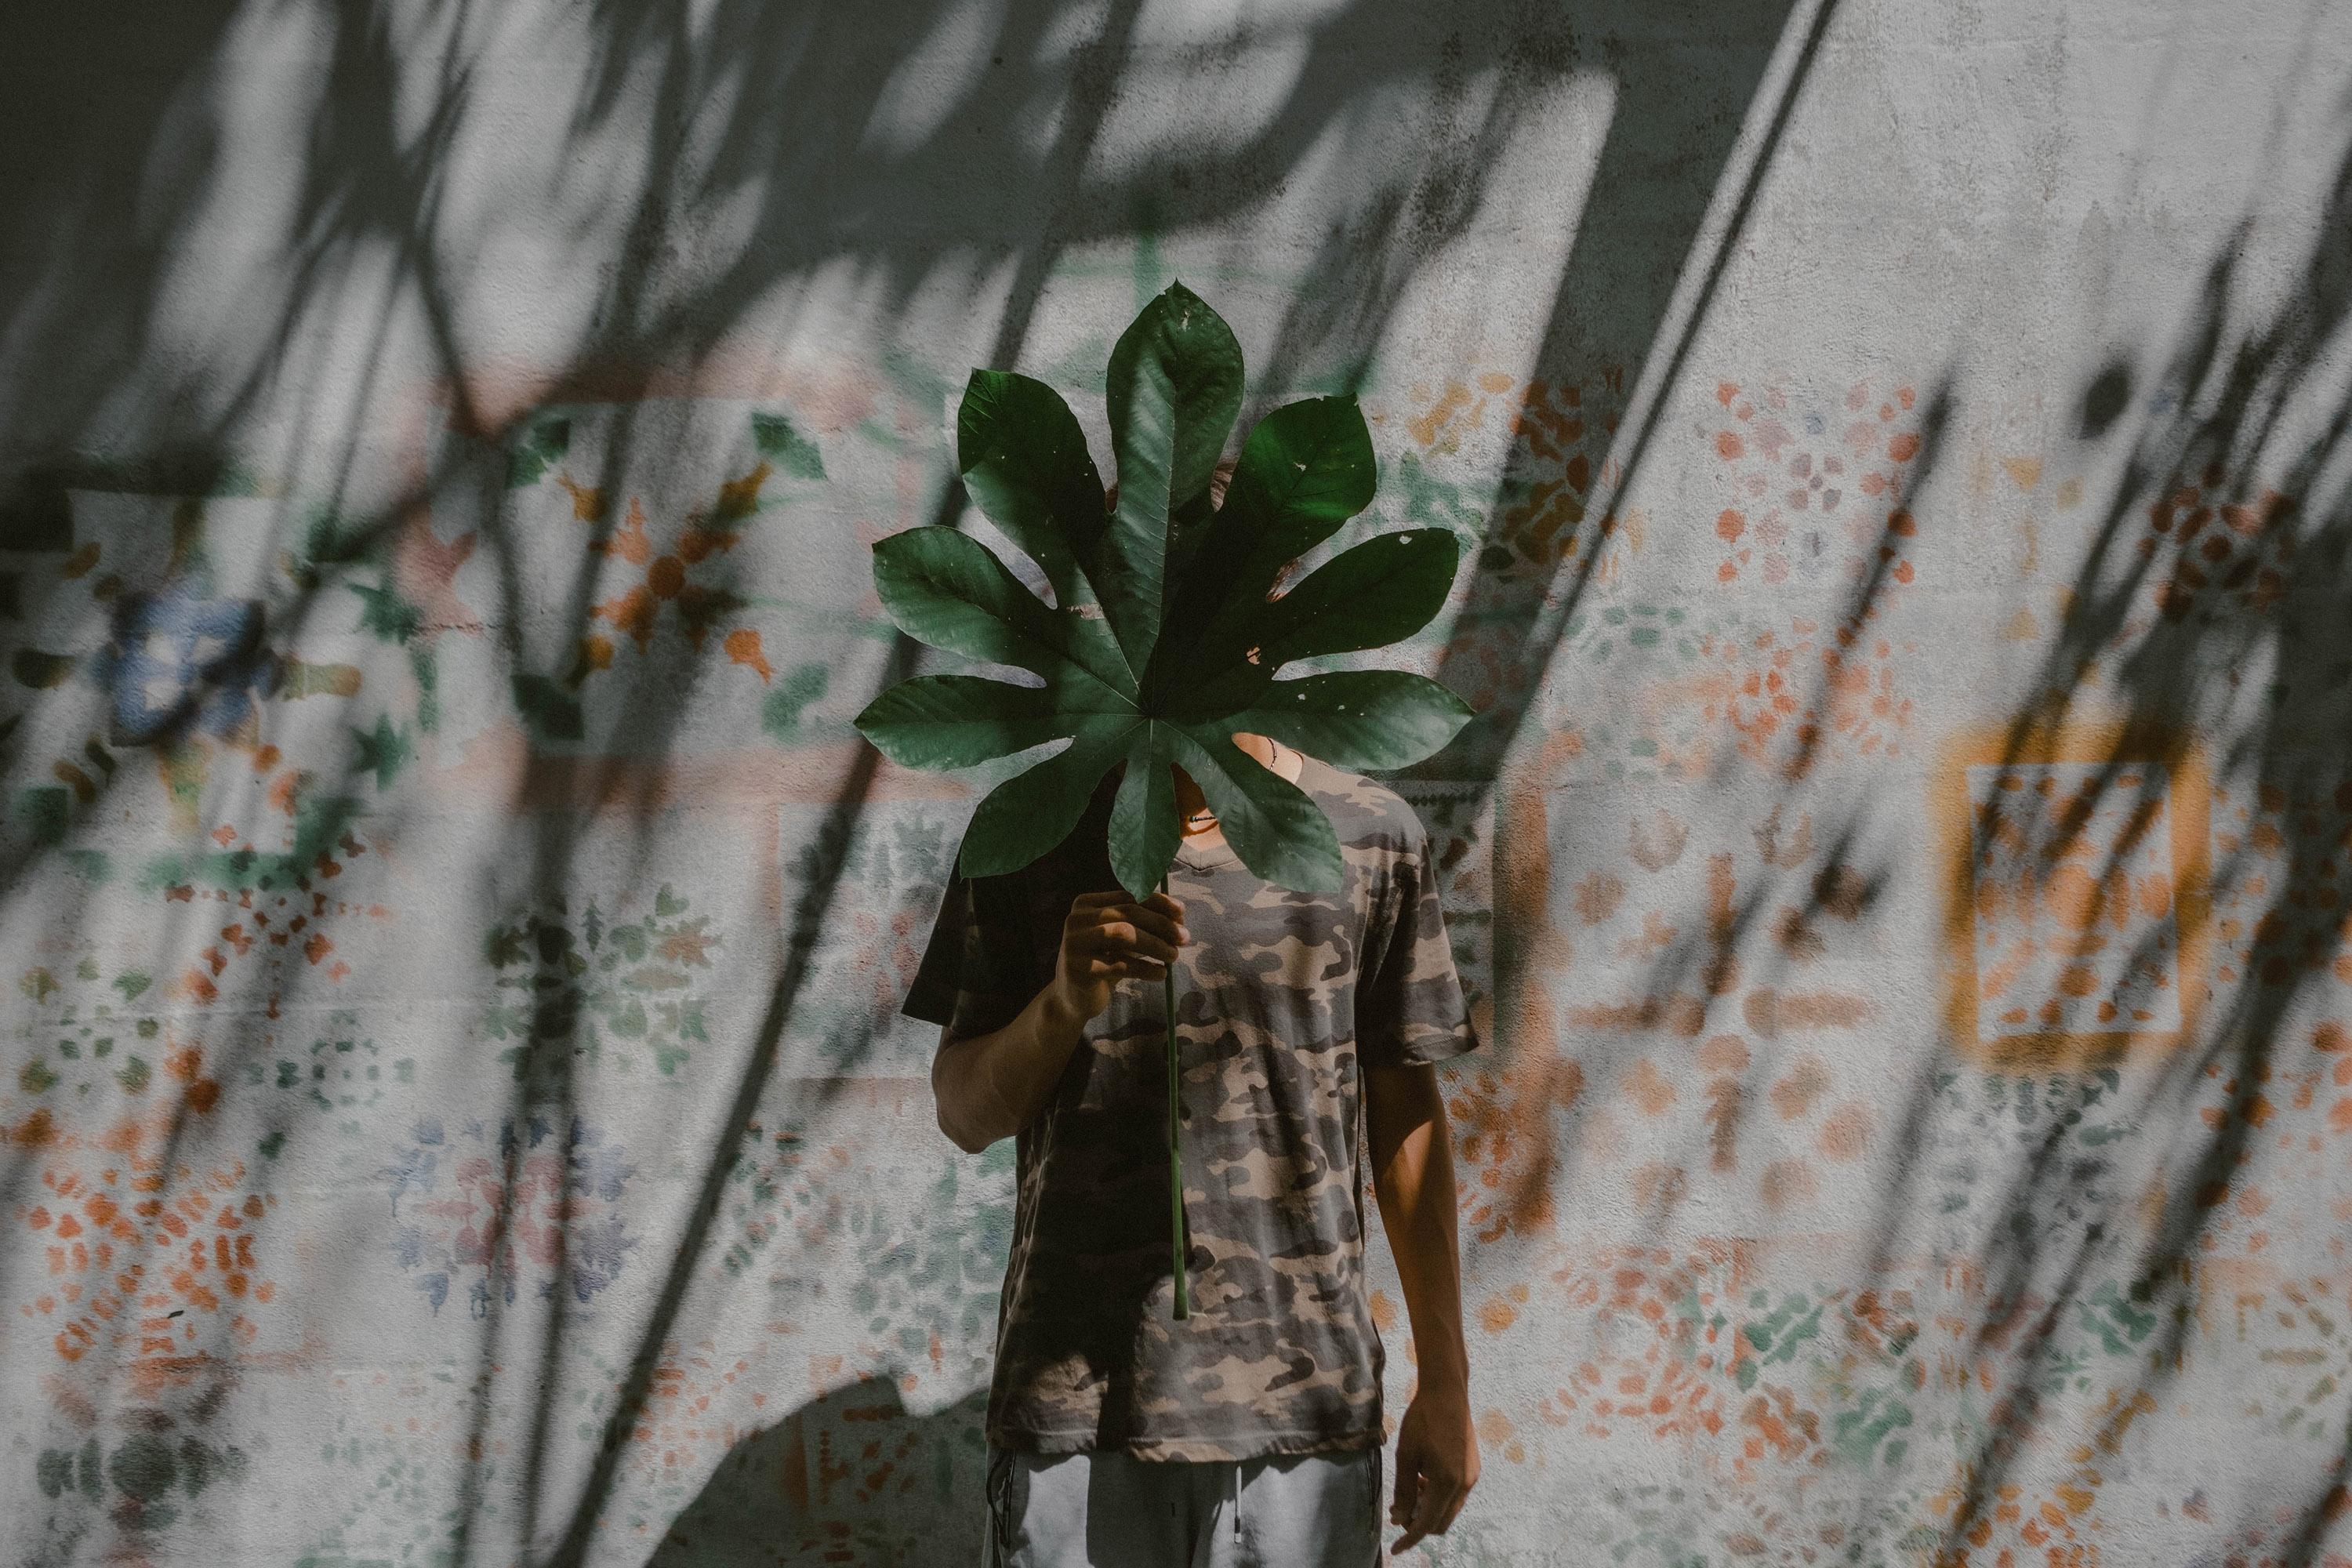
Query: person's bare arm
x,y
1413,1175
991,1086
969,1077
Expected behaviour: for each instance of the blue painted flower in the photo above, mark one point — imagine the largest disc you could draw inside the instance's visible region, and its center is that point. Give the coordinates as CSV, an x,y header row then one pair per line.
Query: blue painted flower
x,y
179,664
506,1205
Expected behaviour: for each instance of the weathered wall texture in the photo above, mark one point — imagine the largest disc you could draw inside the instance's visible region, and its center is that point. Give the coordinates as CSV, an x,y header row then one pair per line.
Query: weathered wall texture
x,y
454,1110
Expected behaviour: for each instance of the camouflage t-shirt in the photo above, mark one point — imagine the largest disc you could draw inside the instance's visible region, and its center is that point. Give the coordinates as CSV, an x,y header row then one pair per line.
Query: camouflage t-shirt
x,y
1282,999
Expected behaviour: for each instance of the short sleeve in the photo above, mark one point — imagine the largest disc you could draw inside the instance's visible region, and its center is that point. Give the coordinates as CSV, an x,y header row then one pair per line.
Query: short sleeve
x,y
1410,1010
976,974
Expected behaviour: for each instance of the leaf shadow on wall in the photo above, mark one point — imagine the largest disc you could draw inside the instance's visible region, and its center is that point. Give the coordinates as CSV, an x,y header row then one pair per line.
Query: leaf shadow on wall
x,y
2204,635
2173,801
2170,1141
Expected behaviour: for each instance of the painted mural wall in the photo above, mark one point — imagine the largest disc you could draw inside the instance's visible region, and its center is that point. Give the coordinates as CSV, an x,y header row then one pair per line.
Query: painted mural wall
x,y
454,1110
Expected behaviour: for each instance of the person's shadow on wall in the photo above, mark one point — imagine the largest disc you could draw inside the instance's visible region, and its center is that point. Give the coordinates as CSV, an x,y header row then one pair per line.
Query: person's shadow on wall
x,y
852,1476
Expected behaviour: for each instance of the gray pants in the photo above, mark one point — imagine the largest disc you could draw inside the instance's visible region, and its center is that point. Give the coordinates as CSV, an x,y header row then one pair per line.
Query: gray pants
x,y
1114,1510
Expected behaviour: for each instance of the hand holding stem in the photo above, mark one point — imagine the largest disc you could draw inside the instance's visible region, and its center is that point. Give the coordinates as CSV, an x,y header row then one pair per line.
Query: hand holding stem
x,y
1110,937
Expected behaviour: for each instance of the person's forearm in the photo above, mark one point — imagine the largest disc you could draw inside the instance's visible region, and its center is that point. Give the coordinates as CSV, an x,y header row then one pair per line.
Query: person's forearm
x,y
992,1086
1413,1175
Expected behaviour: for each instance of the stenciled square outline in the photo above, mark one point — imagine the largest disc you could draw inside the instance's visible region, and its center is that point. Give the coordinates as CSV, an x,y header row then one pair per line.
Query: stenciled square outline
x,y
2189,814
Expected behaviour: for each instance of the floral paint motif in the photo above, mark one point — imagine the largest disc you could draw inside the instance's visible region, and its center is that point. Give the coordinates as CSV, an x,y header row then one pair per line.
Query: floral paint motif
x,y
2286,916
699,607
766,1196
401,1448
178,664
278,909
1984,1121
1660,1341
95,1044
87,1040
1919,1419
1559,441
2076,898
150,1267
141,1482
861,896
495,1206
932,1236
1704,680
684,579
1791,697
2042,961
333,1082
1504,1141
1730,1048
608,992
2229,554
2282,1203
925,1287
2239,1298
1522,469
1816,490
700,1404
342,1070
1659,649
180,590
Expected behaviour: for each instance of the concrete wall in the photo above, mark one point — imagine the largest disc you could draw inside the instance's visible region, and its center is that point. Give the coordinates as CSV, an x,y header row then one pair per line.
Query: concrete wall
x,y
453,1109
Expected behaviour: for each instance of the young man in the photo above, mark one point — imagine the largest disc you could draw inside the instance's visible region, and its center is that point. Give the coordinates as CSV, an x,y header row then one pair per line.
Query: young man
x,y
1249,1433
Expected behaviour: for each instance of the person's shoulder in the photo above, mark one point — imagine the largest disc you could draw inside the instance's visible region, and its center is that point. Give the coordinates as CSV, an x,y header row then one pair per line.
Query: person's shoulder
x,y
1364,812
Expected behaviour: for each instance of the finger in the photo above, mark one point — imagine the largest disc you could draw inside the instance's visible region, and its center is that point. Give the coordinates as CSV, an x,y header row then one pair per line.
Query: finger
x,y
1452,1510
1424,1508
1166,904
1167,929
1408,1487
1143,917
1114,966
1126,941
1422,1521
1082,908
1151,916
1440,1500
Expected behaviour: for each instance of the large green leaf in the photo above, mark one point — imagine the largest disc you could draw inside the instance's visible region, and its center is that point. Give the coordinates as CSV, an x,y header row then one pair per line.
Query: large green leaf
x,y
956,720
1143,827
1025,464
1165,587
1305,470
1381,591
1358,717
1273,825
944,588
1032,812
1174,387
